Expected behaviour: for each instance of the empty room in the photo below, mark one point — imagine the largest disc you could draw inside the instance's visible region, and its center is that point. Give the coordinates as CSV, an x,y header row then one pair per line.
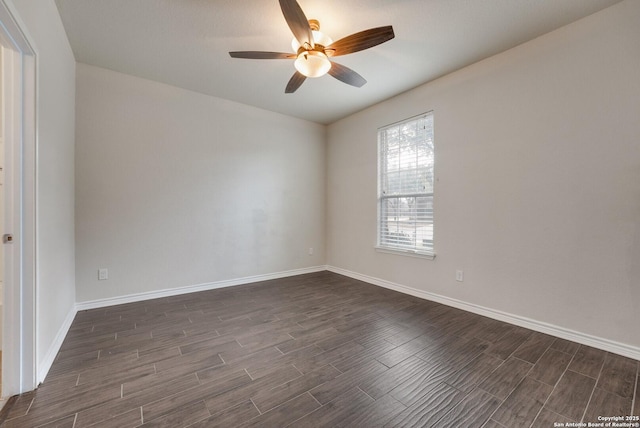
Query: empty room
x,y
397,213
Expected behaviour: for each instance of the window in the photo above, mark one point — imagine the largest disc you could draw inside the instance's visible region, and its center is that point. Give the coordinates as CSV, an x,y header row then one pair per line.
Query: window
x,y
405,186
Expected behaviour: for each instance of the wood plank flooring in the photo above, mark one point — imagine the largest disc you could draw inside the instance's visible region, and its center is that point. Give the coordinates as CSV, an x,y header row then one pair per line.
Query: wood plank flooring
x,y
318,350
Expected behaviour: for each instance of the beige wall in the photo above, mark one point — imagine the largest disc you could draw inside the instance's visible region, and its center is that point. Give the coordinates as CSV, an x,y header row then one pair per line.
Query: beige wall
x,y
55,167
176,188
538,181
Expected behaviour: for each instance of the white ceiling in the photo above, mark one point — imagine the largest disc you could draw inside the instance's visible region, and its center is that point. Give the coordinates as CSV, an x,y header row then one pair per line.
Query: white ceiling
x,y
185,43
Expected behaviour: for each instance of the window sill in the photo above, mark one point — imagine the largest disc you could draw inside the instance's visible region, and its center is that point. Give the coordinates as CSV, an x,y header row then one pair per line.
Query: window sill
x,y
408,253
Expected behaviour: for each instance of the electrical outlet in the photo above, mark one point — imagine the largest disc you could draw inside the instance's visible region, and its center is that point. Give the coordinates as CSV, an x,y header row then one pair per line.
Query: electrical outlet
x,y
310,251
459,275
103,274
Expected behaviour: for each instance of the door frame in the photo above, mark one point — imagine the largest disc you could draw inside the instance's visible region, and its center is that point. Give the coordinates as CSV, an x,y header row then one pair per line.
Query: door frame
x,y
19,99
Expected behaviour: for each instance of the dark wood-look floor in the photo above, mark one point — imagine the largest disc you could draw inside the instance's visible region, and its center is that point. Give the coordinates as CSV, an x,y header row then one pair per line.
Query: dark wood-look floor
x,y
318,350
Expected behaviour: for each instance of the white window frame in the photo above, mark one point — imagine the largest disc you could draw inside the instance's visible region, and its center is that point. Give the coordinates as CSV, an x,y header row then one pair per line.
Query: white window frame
x,y
411,235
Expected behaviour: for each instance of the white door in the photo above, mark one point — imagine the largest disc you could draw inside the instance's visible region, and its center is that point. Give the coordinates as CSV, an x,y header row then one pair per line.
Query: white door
x,y
18,226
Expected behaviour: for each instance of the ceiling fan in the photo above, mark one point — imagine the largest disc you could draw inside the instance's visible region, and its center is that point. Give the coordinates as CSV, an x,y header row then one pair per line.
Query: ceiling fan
x,y
313,48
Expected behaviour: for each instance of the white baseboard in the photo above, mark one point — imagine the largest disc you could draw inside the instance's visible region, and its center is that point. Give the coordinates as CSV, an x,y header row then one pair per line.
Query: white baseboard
x,y
45,365
575,336
553,330
130,298
47,361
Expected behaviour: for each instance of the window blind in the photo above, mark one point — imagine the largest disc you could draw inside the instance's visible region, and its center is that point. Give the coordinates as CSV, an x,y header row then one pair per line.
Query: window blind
x,y
405,189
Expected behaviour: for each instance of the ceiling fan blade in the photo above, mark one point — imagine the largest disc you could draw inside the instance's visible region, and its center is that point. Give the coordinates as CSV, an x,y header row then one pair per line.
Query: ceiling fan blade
x,y
360,41
261,55
294,83
346,75
297,22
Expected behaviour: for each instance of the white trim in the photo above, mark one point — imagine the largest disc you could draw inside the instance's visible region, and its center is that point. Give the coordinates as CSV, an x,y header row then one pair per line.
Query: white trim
x,y
130,298
20,127
554,330
15,29
49,358
407,253
596,342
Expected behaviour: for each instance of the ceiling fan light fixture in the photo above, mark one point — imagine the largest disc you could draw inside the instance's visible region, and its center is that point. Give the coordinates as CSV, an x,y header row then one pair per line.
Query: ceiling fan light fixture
x,y
312,48
312,63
